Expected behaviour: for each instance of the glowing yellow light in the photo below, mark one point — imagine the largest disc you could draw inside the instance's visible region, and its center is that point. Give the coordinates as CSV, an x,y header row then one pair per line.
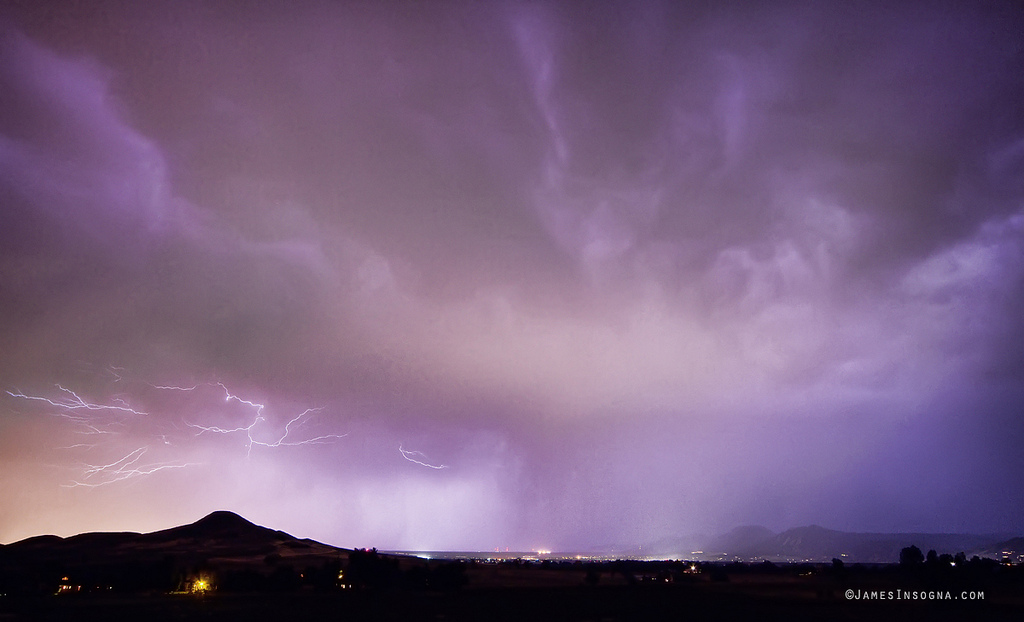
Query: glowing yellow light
x,y
200,585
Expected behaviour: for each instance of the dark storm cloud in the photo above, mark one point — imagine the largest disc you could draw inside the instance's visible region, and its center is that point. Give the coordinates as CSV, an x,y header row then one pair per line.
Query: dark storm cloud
x,y
607,266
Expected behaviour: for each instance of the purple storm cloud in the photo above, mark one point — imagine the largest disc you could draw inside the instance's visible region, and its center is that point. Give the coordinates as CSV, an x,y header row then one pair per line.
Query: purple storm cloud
x,y
529,275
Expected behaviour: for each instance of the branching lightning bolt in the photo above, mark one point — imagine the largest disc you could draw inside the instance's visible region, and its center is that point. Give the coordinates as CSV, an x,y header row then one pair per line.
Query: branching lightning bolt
x,y
122,469
173,388
116,419
90,417
85,414
75,402
282,441
408,455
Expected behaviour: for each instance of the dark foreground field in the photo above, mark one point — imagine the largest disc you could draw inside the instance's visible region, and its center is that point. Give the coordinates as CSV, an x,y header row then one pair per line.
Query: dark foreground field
x,y
698,601
224,568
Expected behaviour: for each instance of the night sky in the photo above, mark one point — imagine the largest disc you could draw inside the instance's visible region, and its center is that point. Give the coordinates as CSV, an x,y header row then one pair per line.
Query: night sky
x,y
531,275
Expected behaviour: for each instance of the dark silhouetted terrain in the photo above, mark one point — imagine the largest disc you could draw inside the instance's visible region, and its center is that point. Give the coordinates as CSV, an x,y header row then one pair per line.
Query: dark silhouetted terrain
x,y
224,567
818,544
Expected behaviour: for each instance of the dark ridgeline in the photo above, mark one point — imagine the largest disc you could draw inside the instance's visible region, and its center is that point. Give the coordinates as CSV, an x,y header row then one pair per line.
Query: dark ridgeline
x,y
221,552
220,524
818,544
225,567
222,545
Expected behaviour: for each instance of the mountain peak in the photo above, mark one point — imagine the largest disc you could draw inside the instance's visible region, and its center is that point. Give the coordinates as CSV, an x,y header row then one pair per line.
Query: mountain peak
x,y
815,529
222,519
219,524
746,539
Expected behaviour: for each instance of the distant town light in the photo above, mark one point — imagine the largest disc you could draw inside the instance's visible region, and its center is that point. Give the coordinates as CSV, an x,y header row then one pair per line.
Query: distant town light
x,y
200,586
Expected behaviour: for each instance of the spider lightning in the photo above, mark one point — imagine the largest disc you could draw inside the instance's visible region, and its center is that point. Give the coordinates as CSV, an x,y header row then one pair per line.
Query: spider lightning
x,y
114,420
75,402
122,469
257,418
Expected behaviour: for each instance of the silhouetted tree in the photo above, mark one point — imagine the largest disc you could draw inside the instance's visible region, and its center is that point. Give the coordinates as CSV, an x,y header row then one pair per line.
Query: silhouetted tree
x,y
911,556
366,568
